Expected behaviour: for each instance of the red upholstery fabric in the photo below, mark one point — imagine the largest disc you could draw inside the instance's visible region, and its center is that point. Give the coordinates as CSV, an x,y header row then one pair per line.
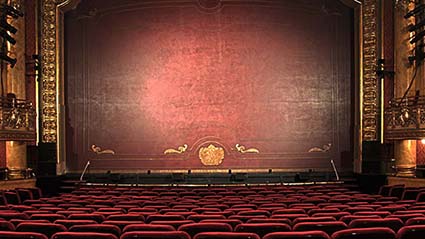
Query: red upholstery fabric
x,y
261,229
294,235
365,233
226,235
148,227
411,232
194,228
22,235
83,235
102,228
154,235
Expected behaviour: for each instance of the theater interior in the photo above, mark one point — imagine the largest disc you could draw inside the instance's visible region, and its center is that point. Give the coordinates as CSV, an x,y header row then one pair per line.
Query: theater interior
x,y
212,119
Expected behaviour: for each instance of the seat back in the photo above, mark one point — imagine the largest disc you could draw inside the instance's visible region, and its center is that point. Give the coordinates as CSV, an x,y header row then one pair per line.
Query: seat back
x,y
365,233
294,235
148,227
226,235
102,228
194,228
328,227
411,232
47,229
83,235
22,235
261,229
154,235
393,223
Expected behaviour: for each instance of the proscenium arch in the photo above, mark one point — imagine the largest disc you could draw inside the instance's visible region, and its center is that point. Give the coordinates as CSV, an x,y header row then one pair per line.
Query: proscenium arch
x,y
52,103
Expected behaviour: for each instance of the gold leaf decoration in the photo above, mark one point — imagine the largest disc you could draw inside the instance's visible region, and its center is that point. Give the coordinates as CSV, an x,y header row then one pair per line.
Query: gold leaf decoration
x,y
211,155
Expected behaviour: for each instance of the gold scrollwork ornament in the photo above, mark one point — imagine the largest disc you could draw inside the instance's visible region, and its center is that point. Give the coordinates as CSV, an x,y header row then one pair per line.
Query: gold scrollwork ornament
x,y
211,155
179,150
243,150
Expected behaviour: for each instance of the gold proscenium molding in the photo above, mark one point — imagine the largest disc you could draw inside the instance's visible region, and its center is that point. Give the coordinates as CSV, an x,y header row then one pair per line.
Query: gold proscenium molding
x,y
243,150
179,150
211,155
51,65
98,150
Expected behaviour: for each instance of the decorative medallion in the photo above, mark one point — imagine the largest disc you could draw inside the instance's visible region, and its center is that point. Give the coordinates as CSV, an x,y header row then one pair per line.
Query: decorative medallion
x,y
211,155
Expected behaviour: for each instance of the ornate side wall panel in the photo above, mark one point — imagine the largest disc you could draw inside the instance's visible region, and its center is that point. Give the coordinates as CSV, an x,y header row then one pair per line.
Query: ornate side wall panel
x,y
370,87
50,47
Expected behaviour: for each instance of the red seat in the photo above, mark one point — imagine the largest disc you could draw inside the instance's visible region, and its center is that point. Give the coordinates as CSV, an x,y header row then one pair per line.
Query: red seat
x,y
6,226
328,227
313,219
22,235
176,224
294,235
83,235
198,218
261,229
394,223
148,227
126,217
16,222
87,216
411,232
102,228
226,235
154,235
405,217
51,217
232,222
347,219
254,212
47,229
68,223
380,213
365,233
160,217
322,210
246,218
267,220
194,228
415,221
336,215
121,224
13,215
289,211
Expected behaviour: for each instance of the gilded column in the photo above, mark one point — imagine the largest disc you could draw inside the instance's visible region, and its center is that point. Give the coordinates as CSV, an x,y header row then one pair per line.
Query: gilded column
x,y
16,152
404,150
405,155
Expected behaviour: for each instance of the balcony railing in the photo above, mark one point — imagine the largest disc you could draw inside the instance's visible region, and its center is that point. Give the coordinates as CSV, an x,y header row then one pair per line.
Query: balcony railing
x,y
405,118
17,120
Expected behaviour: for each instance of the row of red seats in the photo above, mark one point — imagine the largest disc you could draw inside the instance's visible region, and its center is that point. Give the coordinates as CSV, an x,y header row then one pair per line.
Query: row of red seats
x,y
408,232
242,204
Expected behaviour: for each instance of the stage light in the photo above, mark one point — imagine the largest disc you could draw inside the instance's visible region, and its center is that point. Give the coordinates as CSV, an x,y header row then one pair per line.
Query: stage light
x,y
4,57
6,26
11,11
418,9
7,37
418,36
